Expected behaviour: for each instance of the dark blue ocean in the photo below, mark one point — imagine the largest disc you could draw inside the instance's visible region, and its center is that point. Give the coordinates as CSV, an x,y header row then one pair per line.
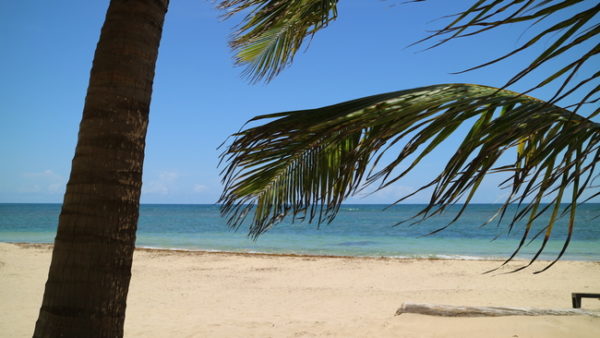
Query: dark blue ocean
x,y
358,230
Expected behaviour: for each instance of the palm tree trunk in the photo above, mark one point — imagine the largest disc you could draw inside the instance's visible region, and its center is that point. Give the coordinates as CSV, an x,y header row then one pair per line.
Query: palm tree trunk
x,y
88,281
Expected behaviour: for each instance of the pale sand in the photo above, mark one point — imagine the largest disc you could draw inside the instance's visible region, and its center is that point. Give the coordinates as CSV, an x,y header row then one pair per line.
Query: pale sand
x,y
199,294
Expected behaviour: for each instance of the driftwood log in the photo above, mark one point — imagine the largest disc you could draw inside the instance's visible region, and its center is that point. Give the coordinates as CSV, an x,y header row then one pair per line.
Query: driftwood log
x,y
486,311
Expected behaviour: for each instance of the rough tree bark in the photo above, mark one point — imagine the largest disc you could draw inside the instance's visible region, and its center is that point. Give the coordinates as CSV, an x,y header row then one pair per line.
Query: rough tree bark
x,y
88,281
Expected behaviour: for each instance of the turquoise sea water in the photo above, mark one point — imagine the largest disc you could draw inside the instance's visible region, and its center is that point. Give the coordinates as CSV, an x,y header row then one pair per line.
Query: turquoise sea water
x,y
358,230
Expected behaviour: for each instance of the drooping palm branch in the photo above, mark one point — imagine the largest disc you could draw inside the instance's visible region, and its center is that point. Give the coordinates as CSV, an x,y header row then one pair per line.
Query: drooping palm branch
x,y
281,168
305,163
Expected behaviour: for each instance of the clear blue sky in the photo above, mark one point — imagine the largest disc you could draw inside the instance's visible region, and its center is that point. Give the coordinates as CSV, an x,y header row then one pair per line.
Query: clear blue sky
x,y
199,97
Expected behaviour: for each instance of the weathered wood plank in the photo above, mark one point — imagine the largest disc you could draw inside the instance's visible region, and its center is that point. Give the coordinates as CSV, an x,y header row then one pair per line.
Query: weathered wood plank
x,y
486,311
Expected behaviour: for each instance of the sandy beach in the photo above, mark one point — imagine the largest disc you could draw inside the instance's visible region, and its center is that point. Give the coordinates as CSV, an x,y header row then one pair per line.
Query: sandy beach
x,y
204,294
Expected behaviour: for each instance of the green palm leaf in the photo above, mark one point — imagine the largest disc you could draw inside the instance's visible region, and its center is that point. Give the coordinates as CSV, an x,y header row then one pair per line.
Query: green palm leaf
x,y
572,28
305,163
274,30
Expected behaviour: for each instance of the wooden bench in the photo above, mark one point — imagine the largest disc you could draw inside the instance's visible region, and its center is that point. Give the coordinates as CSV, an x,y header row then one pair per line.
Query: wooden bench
x,y
576,298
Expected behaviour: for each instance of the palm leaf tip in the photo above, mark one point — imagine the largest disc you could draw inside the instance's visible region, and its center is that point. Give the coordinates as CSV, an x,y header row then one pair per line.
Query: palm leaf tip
x,y
305,163
273,31
566,28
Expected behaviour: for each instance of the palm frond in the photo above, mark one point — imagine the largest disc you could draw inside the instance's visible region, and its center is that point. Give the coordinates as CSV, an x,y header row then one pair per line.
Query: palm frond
x,y
273,31
305,163
572,28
